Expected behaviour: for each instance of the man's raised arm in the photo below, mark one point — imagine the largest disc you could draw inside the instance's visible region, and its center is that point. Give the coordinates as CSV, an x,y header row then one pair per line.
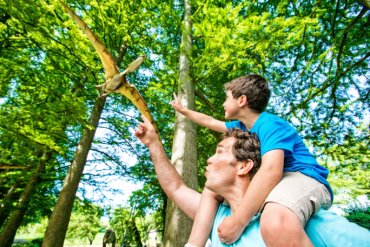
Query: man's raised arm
x,y
170,180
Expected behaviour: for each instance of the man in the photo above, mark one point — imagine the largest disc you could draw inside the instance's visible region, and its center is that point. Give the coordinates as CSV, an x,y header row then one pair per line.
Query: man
x,y
229,173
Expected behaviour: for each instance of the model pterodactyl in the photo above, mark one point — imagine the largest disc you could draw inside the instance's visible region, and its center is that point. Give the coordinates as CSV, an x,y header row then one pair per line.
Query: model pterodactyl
x,y
114,80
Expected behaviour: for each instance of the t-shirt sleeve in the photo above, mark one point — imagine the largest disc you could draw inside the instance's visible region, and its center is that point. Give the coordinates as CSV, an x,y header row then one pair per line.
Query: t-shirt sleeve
x,y
279,135
235,124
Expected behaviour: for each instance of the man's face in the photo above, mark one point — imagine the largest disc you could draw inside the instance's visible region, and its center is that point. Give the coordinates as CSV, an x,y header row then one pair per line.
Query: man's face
x,y
221,168
230,106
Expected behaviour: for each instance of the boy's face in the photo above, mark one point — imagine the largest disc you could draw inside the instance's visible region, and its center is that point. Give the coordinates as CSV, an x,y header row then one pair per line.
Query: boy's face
x,y
230,106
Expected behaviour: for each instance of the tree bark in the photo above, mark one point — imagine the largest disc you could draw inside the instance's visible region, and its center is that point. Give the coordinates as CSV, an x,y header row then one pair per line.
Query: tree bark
x,y
16,217
58,223
136,233
7,204
365,3
184,152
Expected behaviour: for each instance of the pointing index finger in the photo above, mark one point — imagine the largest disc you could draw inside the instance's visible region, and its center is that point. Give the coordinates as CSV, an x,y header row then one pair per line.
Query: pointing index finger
x,y
145,119
175,96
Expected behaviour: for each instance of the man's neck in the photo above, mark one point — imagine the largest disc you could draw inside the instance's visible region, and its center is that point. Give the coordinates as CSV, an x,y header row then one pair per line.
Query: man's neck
x,y
233,196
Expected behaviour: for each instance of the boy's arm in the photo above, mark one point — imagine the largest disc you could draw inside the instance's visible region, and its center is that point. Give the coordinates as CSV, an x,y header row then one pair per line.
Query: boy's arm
x,y
199,118
267,177
185,198
204,219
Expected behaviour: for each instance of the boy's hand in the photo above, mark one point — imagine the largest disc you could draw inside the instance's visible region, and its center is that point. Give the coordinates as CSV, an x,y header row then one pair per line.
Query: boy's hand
x,y
146,132
175,103
230,230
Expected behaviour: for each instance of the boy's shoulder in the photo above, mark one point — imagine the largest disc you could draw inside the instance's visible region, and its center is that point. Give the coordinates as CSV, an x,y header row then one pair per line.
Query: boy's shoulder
x,y
270,119
270,116
269,123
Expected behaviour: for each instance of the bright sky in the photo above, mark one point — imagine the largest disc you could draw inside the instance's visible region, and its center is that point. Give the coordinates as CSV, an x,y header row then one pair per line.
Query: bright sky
x,y
124,187
121,185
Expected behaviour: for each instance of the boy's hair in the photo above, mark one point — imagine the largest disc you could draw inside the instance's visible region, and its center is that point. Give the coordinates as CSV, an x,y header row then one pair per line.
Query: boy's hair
x,y
246,147
255,87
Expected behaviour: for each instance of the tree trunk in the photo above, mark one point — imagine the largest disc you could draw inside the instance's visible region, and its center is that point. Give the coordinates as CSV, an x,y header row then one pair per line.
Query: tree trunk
x,y
7,204
184,152
58,223
365,3
136,233
16,217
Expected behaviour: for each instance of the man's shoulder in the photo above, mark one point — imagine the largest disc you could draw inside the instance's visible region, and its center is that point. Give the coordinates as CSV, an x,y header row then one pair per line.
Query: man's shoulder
x,y
324,229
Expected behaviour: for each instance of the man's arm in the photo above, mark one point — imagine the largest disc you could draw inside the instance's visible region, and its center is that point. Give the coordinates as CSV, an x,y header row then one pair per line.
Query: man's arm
x,y
170,180
267,177
199,118
203,222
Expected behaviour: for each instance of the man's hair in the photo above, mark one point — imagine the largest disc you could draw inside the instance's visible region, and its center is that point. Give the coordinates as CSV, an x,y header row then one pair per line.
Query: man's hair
x,y
246,147
255,87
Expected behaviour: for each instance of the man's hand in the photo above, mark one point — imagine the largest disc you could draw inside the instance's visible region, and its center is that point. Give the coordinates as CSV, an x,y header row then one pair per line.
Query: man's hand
x,y
230,230
146,132
175,103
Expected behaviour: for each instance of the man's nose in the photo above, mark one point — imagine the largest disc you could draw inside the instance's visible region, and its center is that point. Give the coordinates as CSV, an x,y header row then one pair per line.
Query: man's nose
x,y
210,160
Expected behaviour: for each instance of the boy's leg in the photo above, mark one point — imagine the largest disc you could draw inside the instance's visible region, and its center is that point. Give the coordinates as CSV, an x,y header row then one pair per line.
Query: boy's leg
x,y
203,222
289,206
281,227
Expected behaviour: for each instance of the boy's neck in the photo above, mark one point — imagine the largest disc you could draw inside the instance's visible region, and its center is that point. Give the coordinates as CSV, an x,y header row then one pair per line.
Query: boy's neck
x,y
248,118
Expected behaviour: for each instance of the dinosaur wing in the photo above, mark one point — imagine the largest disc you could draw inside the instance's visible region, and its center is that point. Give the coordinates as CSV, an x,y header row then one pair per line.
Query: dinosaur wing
x,y
130,92
134,64
109,64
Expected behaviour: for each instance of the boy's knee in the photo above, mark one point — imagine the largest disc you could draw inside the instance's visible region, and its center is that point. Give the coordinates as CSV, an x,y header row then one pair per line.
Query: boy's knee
x,y
271,224
281,227
276,219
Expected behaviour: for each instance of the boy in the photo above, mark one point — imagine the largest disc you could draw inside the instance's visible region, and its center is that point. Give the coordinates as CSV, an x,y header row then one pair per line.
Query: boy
x,y
288,188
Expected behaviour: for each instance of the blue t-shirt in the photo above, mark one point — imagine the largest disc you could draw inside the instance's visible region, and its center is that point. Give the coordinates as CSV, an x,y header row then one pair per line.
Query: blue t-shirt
x,y
324,229
275,133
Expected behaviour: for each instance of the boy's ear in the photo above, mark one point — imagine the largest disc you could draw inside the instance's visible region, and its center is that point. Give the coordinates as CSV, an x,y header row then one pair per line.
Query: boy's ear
x,y
243,100
245,167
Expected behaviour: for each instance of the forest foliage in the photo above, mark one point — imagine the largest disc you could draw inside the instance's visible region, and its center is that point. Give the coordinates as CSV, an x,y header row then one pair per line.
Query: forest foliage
x,y
315,54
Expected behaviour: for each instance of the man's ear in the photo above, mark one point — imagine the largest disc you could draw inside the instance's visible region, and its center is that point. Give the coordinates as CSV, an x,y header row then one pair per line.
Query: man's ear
x,y
243,100
245,167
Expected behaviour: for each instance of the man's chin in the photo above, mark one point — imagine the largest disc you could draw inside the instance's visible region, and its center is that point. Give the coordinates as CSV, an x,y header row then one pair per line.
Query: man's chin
x,y
208,186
